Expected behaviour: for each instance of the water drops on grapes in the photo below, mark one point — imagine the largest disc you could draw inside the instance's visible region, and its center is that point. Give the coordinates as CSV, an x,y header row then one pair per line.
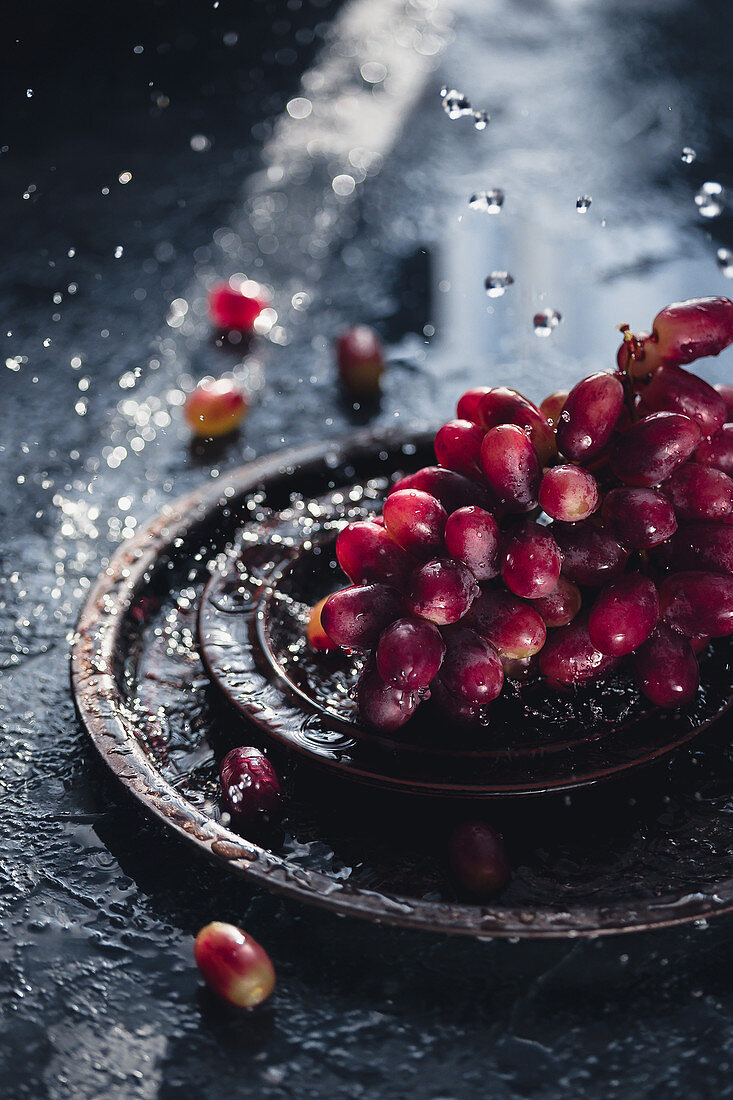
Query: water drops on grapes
x,y
497,282
582,203
710,199
724,257
688,155
488,202
546,321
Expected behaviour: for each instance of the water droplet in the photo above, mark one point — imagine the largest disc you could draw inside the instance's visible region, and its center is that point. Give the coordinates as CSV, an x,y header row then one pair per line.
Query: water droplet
x,y
118,252
725,262
497,282
710,199
582,203
688,156
29,93
124,177
455,103
488,202
200,143
343,184
481,119
546,321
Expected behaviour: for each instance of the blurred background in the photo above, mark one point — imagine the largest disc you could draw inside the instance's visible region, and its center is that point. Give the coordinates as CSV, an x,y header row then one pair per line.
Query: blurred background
x,y
150,148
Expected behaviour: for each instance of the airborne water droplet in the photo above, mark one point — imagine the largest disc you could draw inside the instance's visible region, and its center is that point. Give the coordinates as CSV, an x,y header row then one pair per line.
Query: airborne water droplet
x,y
456,104
546,321
481,119
497,282
688,156
725,262
582,203
488,202
710,199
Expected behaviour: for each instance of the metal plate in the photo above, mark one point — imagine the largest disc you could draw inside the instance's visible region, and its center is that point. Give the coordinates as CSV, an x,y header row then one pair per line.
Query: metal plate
x,y
650,851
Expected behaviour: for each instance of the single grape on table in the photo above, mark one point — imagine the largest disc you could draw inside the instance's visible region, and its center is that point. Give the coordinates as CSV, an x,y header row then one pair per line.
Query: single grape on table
x,y
560,541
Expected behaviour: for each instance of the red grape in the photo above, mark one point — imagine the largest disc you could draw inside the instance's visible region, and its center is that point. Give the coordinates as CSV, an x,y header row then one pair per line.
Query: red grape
x,y
360,360
458,447
651,449
366,553
382,706
531,561
703,544
510,624
505,406
639,518
624,615
355,617
665,668
472,536
553,405
590,555
442,591
588,417
561,605
409,654
471,666
568,493
468,404
698,602
673,389
451,489
478,859
234,965
511,467
569,656
250,788
416,522
726,392
452,707
718,451
700,492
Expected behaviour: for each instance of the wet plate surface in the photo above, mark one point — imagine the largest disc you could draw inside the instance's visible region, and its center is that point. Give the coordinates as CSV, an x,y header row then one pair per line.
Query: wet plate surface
x,y
144,695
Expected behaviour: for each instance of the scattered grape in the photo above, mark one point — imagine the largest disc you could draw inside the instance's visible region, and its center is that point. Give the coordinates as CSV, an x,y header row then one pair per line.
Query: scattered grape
x,y
650,450
673,389
215,408
471,666
250,788
570,658
561,605
360,360
237,309
513,627
590,555
700,492
698,602
451,489
718,451
504,406
317,636
553,405
703,544
469,403
458,447
382,706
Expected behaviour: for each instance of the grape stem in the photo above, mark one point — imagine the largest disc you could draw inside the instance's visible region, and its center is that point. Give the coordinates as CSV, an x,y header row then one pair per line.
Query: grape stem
x,y
634,351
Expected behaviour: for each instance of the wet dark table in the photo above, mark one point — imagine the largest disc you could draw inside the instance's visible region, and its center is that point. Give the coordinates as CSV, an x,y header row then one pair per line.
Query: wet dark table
x,y
146,149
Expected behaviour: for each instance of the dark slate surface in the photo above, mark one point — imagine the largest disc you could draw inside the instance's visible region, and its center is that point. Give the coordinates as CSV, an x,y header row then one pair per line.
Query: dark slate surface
x,y
97,909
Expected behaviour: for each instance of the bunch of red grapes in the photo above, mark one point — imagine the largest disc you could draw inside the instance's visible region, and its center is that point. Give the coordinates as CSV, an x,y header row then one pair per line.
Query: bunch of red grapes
x,y
555,541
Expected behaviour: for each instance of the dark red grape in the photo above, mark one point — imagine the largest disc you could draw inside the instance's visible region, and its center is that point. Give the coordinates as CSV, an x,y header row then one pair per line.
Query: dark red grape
x,y
416,522
650,450
568,493
718,451
532,561
700,492
468,404
685,331
665,668
624,615
458,712
590,555
588,417
674,389
382,706
698,603
511,467
409,654
703,544
234,965
355,617
504,406
451,489
510,624
250,788
366,554
472,536
471,666
553,405
562,604
442,591
570,658
726,392
478,859
639,518
458,447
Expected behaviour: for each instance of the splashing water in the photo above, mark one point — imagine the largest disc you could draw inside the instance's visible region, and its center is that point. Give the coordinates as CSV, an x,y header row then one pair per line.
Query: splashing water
x,y
546,321
710,199
455,104
688,155
724,257
582,203
497,282
488,202
481,119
